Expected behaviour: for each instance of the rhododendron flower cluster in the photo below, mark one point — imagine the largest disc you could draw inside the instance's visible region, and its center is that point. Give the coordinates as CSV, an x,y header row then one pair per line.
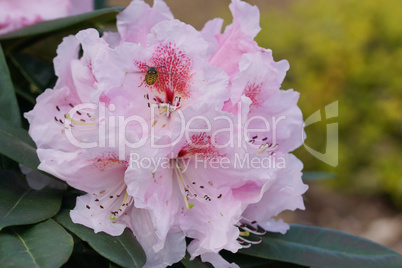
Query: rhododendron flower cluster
x,y
15,14
173,133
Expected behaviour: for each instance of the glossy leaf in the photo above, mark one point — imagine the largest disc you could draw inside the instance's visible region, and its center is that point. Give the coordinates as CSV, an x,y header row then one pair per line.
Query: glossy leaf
x,y
35,71
123,250
324,248
246,261
19,204
42,29
9,109
17,144
43,245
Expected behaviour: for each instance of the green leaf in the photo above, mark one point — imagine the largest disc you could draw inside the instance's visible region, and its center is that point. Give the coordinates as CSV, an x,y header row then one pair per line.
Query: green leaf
x,y
9,109
318,175
18,145
19,204
324,248
42,245
245,261
196,263
123,250
29,97
38,31
100,4
35,71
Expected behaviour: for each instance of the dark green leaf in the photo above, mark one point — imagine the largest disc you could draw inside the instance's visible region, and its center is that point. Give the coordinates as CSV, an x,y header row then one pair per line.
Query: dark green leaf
x,y
19,204
16,143
324,248
35,71
113,265
38,31
7,163
9,110
196,263
29,97
84,256
245,261
318,175
45,244
123,250
100,4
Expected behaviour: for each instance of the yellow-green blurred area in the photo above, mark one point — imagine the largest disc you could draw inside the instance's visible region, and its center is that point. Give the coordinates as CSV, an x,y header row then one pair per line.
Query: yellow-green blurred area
x,y
348,51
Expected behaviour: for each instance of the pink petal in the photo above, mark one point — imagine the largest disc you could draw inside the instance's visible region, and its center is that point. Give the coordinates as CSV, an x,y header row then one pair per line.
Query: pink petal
x,y
160,253
135,22
96,216
66,52
217,260
284,194
81,6
211,29
238,37
80,171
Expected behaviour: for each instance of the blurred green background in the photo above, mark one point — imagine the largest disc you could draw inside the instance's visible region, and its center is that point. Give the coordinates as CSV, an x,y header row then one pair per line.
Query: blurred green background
x,y
347,51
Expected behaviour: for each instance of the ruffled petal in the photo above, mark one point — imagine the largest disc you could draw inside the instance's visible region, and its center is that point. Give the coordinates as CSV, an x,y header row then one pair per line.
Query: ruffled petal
x,y
259,77
66,52
211,29
95,214
238,37
47,118
149,181
38,181
160,253
224,192
85,70
217,261
134,22
284,194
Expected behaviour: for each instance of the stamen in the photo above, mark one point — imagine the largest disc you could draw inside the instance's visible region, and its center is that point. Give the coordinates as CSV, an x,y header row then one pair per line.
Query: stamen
x,y
246,230
116,214
78,122
267,146
244,233
188,205
190,190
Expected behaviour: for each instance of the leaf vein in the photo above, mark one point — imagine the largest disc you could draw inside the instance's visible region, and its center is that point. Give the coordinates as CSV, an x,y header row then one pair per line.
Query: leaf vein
x,y
26,246
16,203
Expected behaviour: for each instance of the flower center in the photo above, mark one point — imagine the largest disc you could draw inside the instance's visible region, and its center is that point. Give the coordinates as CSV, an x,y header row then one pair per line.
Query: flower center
x,y
164,107
127,201
116,199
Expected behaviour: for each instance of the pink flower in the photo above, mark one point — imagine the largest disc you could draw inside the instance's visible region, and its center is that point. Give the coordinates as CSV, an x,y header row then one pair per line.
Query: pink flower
x,y
16,14
167,129
69,108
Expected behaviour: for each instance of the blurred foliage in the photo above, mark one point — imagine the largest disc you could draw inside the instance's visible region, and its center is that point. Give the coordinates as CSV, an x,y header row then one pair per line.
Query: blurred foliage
x,y
349,51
